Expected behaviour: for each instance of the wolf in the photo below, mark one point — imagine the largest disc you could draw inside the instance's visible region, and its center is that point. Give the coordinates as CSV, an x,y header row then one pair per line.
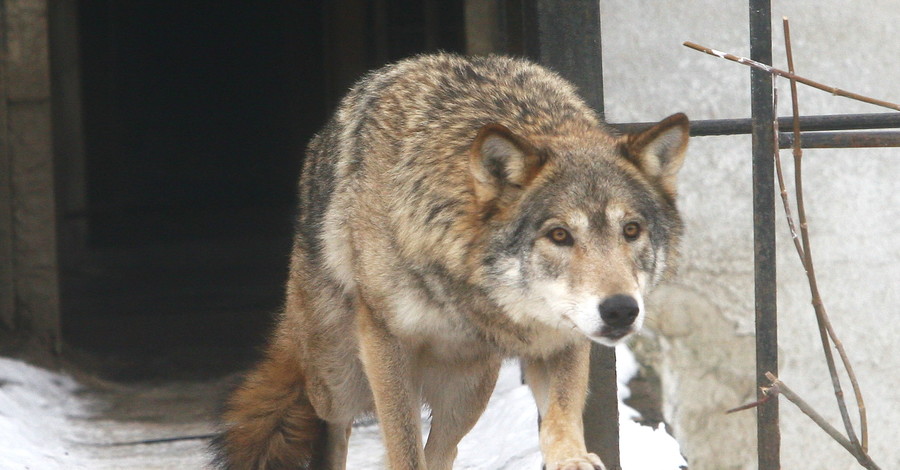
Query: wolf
x,y
455,212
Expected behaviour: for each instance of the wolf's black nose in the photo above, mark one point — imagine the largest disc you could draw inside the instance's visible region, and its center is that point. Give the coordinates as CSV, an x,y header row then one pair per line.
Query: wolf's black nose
x,y
619,310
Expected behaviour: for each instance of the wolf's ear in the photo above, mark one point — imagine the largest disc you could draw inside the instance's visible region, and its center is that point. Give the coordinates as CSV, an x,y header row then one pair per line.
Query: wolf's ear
x,y
501,162
659,150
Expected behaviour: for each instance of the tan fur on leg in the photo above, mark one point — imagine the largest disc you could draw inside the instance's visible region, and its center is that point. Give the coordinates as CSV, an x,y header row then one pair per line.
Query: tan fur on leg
x,y
559,384
457,397
336,445
388,368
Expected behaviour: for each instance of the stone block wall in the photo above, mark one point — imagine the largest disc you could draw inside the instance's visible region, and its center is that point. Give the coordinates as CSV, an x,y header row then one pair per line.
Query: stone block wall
x,y
29,284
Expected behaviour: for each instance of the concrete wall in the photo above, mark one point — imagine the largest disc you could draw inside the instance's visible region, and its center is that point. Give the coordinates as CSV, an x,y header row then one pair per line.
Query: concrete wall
x,y
29,292
701,330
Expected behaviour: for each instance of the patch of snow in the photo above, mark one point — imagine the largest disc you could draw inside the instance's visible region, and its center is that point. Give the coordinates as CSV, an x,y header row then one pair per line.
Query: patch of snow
x,y
46,423
506,436
34,404
643,447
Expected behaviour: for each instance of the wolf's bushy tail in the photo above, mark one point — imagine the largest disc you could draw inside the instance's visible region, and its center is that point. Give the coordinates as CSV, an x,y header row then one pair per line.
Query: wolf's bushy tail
x,y
269,421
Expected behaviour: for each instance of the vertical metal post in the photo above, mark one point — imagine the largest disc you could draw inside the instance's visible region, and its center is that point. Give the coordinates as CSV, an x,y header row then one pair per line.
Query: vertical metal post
x,y
763,114
565,36
601,412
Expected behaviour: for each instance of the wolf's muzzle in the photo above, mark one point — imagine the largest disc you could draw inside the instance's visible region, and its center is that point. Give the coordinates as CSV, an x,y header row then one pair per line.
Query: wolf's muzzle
x,y
619,311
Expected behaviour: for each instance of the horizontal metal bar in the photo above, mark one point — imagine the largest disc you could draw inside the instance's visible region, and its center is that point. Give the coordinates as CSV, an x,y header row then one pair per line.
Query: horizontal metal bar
x,y
828,122
819,140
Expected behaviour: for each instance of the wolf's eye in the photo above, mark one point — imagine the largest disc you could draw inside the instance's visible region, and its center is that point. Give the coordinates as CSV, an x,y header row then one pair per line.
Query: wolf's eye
x,y
560,236
631,231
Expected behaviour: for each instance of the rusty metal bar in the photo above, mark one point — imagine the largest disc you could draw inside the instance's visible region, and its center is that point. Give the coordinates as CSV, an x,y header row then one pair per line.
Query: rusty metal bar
x,y
821,140
843,122
763,114
828,122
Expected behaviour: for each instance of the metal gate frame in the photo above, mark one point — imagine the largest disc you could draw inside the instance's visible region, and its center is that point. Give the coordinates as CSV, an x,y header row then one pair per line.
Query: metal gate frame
x,y
565,35
763,117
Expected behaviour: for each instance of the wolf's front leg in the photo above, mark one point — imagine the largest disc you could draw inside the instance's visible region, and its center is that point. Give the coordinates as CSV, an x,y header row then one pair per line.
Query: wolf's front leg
x,y
458,393
397,402
559,384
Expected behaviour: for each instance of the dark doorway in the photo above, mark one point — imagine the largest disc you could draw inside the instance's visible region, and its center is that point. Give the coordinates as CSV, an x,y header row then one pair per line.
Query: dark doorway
x,y
196,114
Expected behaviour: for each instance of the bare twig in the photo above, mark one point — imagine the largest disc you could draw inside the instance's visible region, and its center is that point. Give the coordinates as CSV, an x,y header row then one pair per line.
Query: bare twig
x,y
781,186
767,395
825,328
780,388
777,387
789,75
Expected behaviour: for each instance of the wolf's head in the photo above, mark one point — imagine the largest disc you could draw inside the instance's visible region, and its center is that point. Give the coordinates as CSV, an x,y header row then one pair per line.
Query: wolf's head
x,y
579,228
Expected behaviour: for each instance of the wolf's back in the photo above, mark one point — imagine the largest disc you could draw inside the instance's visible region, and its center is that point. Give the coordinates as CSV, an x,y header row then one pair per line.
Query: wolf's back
x,y
440,101
405,131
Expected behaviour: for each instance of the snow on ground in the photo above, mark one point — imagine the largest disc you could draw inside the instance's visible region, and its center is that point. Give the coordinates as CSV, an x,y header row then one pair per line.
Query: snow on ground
x,y
49,421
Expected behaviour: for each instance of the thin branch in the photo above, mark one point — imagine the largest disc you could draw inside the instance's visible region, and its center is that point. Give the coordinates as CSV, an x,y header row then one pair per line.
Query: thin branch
x,y
810,267
789,75
854,383
825,328
780,388
767,396
777,387
781,186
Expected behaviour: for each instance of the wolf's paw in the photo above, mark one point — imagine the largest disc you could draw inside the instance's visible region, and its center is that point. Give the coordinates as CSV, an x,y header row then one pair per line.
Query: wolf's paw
x,y
587,462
